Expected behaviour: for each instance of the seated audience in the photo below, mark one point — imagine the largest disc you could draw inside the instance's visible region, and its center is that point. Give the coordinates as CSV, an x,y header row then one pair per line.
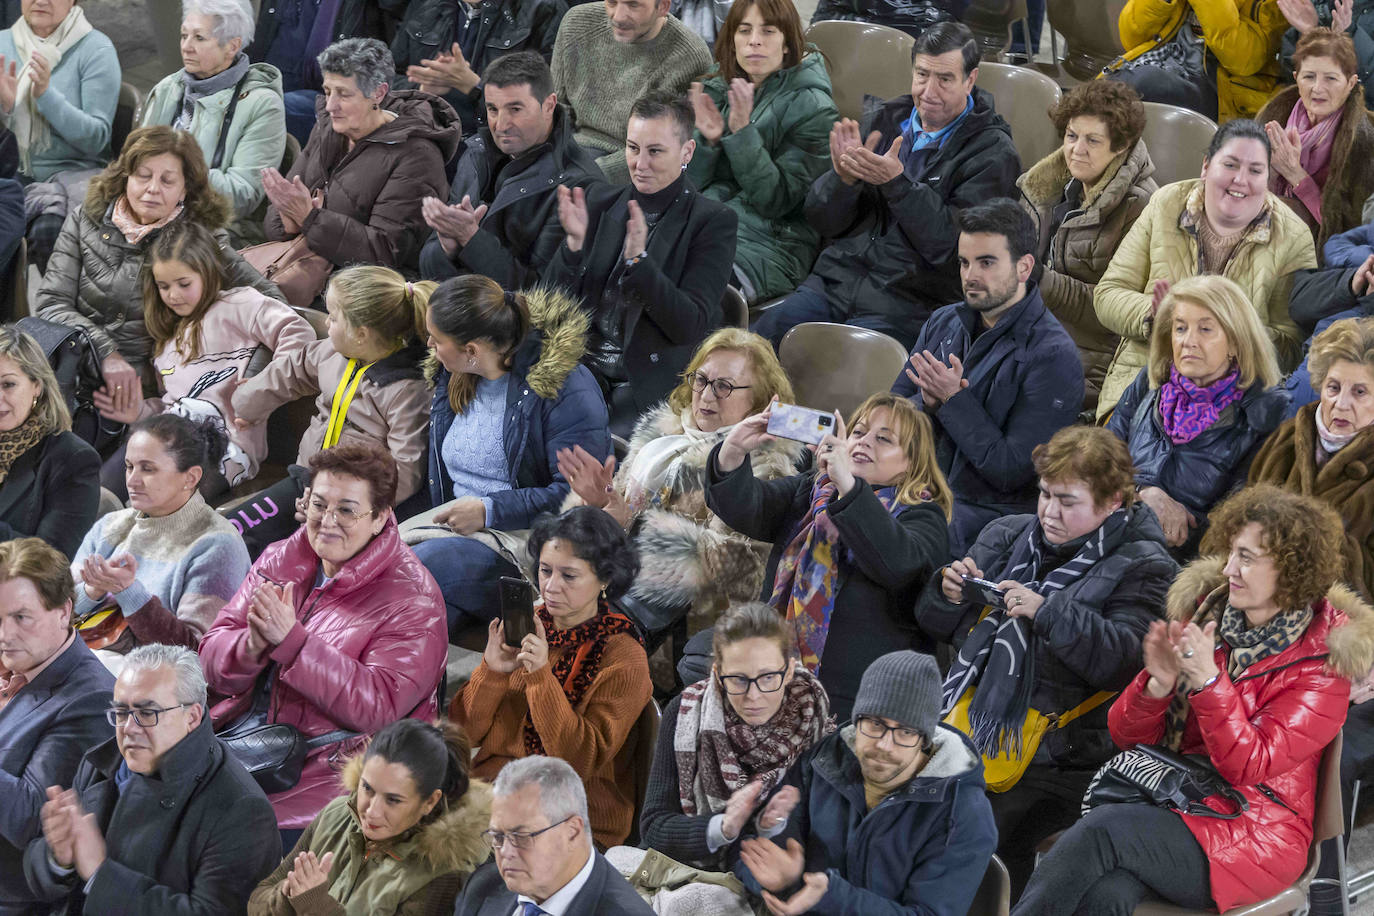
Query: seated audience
x,y
996,373
445,48
160,818
492,223
689,557
913,18
1081,581
763,114
354,192
204,336
1323,145
1195,416
1217,57
59,85
169,562
232,107
853,541
51,483
1353,17
1325,451
892,817
338,628
509,394
369,386
1084,197
95,277
607,57
53,696
1252,672
542,841
1224,223
410,827
889,200
649,261
575,687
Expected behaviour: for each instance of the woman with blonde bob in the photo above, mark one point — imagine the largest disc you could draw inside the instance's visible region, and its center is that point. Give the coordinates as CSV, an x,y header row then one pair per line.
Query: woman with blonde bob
x,y
853,541
1197,412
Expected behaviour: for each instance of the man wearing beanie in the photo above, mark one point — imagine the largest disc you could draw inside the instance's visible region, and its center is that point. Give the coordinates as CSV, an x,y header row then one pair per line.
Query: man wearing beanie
x,y
892,817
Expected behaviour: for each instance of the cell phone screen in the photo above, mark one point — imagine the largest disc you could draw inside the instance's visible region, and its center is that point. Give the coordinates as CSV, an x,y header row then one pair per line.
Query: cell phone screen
x,y
517,610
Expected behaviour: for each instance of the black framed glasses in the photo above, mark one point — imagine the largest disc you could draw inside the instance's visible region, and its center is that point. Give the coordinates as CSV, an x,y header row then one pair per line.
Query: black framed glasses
x,y
145,716
497,838
722,387
737,685
344,516
903,737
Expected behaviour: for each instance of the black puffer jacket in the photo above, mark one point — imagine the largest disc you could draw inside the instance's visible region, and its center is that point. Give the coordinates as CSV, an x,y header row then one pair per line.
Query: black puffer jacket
x,y
1087,635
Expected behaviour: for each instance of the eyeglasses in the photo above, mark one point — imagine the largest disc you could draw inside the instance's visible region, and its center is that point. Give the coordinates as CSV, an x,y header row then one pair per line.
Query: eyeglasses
x,y
344,516
497,838
720,386
737,685
904,737
145,716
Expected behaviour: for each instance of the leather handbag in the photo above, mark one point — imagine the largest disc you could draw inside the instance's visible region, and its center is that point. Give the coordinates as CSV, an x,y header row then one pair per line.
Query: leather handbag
x,y
105,628
1149,774
299,273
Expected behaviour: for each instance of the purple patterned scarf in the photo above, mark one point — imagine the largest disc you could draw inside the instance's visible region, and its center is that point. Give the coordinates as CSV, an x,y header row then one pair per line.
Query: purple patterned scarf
x,y
1187,409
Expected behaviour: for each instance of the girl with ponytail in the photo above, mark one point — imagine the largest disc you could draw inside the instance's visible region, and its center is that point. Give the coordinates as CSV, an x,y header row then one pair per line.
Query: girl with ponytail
x,y
413,814
509,393
368,387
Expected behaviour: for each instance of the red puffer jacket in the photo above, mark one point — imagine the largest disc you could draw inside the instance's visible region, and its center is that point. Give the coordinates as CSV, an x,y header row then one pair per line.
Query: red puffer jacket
x,y
1269,726
367,649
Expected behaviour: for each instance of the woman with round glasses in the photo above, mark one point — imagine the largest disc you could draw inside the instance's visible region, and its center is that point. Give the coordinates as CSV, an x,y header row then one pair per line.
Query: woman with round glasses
x,y
338,629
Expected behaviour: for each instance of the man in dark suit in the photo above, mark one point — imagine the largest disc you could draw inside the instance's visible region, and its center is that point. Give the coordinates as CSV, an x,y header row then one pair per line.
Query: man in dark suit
x,y
545,862
53,694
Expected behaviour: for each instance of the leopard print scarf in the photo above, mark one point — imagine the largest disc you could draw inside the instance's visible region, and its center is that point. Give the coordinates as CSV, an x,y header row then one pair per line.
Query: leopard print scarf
x,y
19,440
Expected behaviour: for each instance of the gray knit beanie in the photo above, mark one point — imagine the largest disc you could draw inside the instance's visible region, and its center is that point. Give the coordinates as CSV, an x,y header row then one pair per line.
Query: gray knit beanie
x,y
904,687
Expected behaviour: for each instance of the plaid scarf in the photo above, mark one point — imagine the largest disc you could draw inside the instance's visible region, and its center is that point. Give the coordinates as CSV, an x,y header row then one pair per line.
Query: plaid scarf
x,y
998,658
719,753
576,668
808,571
1247,645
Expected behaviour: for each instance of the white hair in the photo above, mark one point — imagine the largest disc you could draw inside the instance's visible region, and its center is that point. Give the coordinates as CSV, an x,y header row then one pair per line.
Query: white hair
x,y
232,18
561,794
185,665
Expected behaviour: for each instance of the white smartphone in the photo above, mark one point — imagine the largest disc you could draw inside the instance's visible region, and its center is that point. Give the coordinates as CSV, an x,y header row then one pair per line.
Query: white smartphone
x,y
801,424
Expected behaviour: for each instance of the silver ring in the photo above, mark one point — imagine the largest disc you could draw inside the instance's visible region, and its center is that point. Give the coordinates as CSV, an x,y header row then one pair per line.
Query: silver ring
x,y
1187,653
1016,602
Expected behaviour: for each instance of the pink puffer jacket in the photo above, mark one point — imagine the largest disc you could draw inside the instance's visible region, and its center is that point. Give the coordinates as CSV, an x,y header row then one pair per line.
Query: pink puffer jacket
x,y
367,649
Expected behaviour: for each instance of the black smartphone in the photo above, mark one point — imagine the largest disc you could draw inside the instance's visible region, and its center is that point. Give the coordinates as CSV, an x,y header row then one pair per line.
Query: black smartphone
x,y
984,592
517,610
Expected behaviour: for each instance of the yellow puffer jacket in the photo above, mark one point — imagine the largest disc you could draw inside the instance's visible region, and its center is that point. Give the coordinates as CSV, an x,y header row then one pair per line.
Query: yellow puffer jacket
x,y
1243,36
1162,245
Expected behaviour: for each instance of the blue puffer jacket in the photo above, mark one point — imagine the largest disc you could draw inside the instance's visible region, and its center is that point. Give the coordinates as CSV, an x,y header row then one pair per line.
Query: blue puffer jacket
x,y
552,403
922,851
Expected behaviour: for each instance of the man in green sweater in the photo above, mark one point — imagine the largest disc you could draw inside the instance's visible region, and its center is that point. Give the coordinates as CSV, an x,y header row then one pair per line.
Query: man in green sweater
x,y
604,59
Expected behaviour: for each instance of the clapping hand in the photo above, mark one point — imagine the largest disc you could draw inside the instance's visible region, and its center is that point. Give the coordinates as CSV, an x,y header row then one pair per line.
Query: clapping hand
x,y
1301,14
870,167
738,807
741,96
271,613
455,224
1342,14
1196,650
1286,152
710,123
815,884
1161,661
636,232
40,73
307,873
590,479
9,83
102,577
844,136
936,381
747,435
1360,282
779,807
772,866
1157,294
71,834
445,72
292,198
572,215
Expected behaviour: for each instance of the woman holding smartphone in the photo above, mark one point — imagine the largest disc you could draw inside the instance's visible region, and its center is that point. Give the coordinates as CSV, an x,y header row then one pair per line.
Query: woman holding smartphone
x,y
853,541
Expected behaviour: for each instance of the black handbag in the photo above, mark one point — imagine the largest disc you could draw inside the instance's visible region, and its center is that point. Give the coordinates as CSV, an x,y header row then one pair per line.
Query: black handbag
x,y
76,363
1149,774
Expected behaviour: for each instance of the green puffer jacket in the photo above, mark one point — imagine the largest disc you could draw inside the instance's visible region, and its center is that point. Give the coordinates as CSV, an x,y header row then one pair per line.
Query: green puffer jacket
x,y
764,171
256,140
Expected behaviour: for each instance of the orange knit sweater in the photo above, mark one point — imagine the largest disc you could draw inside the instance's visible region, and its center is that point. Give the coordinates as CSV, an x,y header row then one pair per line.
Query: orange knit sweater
x,y
492,707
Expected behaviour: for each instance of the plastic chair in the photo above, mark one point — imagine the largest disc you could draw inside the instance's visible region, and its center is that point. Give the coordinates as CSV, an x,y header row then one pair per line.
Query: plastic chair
x,y
1024,98
637,756
994,894
126,115
991,22
1090,31
863,59
735,308
837,366
1177,140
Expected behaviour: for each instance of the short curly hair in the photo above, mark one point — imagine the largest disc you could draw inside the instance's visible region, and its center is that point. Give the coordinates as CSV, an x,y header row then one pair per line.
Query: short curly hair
x,y
1090,454
1349,340
596,539
1117,104
371,464
1304,535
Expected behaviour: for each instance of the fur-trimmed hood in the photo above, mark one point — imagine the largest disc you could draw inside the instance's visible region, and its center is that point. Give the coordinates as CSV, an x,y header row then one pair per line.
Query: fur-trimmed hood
x,y
1349,642
453,840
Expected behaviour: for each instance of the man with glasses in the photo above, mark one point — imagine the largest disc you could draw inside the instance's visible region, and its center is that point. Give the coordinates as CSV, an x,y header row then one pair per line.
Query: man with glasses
x,y
176,825
892,818
542,840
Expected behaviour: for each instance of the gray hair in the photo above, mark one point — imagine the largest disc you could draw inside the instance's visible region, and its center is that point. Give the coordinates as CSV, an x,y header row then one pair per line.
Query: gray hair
x,y
185,664
232,18
560,788
367,60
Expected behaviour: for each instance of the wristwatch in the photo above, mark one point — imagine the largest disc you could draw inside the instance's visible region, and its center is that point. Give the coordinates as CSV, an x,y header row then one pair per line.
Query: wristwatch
x,y
1207,683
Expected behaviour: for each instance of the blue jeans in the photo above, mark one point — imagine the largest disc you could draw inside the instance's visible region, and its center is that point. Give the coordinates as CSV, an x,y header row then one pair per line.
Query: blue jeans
x,y
1299,383
300,113
467,572
808,304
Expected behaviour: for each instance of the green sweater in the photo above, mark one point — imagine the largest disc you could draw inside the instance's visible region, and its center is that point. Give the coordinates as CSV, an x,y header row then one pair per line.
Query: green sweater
x,y
599,78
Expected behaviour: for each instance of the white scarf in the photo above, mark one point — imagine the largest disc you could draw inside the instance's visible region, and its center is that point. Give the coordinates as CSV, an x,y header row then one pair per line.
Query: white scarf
x,y
1331,442
31,130
653,477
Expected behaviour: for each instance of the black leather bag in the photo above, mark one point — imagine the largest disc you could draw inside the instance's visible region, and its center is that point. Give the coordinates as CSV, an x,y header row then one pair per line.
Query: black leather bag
x,y
76,363
1149,774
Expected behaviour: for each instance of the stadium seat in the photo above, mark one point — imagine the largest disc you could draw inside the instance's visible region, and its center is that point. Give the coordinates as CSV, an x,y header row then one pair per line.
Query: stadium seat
x,y
1091,36
1177,140
1024,98
994,894
863,59
736,309
837,366
637,756
991,22
126,115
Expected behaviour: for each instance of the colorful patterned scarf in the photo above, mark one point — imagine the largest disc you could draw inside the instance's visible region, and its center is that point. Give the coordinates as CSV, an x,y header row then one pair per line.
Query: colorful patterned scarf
x,y
577,667
718,752
808,571
1187,409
